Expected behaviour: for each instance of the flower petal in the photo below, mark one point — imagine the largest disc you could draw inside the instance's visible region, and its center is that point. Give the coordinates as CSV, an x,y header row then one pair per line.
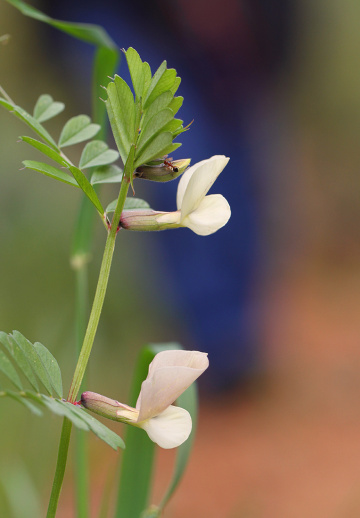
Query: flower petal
x,y
170,374
169,218
127,414
212,214
170,428
196,182
184,180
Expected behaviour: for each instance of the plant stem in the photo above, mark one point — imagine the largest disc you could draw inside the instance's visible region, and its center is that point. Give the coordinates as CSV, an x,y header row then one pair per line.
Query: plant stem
x,y
81,465
88,342
99,296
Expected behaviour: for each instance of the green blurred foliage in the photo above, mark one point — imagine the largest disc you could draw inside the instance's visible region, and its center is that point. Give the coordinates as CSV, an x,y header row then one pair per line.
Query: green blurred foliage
x,y
37,217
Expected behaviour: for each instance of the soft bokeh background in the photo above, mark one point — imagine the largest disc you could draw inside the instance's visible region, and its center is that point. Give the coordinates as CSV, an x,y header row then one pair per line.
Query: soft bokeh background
x,y
274,297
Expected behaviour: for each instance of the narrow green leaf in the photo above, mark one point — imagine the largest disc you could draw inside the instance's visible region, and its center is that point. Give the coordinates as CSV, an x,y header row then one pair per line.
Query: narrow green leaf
x,y
153,128
154,149
51,366
20,359
46,150
97,153
106,174
160,103
176,85
171,148
46,108
148,77
189,401
119,135
173,126
23,401
176,104
135,483
9,370
137,71
51,171
166,82
30,121
86,186
99,429
78,129
121,110
130,204
87,32
63,409
154,81
34,359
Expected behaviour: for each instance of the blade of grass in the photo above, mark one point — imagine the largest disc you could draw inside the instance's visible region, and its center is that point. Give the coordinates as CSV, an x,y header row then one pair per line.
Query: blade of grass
x,y
138,458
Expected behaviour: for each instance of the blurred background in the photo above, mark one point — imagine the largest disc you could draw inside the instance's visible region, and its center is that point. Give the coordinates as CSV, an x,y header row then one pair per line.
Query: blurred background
x,y
274,297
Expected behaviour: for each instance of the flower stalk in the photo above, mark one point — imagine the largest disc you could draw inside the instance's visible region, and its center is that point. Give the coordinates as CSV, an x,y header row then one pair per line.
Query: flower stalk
x,y
88,339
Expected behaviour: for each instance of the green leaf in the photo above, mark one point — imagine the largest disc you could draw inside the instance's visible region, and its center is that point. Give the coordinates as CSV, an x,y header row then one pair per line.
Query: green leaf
x,y
165,82
154,149
51,366
30,121
20,359
130,204
87,32
63,409
9,370
153,128
160,103
189,401
99,429
46,150
46,108
34,360
77,415
86,186
150,97
138,71
174,126
97,153
176,85
106,174
121,110
51,171
135,484
176,104
78,129
148,77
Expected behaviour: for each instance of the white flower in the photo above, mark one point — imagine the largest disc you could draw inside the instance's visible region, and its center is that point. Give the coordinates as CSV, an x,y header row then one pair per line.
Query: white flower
x,y
203,214
170,374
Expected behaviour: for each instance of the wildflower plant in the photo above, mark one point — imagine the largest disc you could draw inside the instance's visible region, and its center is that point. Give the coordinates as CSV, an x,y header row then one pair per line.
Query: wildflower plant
x,y
143,119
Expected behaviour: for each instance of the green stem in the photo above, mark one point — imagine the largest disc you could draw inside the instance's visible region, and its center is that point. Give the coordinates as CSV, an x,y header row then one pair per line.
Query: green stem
x,y
81,464
99,296
60,468
88,342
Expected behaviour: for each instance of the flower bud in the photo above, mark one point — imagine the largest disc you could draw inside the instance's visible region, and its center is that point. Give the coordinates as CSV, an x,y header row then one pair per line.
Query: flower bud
x,y
101,405
147,220
164,172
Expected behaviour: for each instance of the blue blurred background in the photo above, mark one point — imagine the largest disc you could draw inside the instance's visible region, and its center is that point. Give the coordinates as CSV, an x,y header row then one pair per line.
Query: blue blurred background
x,y
273,296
